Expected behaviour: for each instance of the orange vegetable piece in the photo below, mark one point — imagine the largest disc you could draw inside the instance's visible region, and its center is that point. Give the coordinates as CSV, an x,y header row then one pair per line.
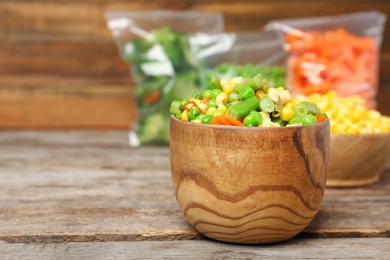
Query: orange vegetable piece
x,y
332,60
225,120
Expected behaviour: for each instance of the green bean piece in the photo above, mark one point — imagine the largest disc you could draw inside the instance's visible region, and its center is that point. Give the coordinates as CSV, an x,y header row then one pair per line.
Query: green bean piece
x,y
267,105
255,83
193,113
215,81
265,86
277,110
279,121
242,109
206,119
246,93
197,95
312,108
178,115
182,103
254,118
301,109
309,119
296,120
174,109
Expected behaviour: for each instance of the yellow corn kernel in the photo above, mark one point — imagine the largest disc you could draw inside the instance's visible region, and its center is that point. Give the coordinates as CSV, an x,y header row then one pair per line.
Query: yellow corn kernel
x,y
224,82
265,114
280,89
295,101
210,111
287,113
289,104
197,120
236,81
222,107
285,95
202,107
260,94
228,88
222,98
266,121
184,115
273,94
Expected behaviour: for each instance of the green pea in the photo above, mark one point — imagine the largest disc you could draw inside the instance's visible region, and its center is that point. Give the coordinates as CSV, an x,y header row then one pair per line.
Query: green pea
x,y
182,103
267,105
214,93
218,112
211,103
309,120
300,109
245,93
253,119
206,119
200,116
232,97
178,115
193,113
206,93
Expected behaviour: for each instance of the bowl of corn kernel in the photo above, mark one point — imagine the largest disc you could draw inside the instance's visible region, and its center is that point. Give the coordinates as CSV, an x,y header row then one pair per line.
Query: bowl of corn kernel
x,y
360,140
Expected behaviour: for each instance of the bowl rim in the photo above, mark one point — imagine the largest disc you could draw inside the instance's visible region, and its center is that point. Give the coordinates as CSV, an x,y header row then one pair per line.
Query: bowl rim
x,y
361,135
247,128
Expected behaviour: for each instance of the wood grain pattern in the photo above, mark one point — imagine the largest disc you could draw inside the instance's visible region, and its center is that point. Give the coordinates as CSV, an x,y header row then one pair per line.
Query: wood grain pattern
x,y
60,186
369,248
346,167
234,186
42,40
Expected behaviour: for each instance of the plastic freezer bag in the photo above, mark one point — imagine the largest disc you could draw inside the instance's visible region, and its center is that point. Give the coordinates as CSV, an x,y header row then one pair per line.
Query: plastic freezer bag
x,y
158,45
338,53
247,54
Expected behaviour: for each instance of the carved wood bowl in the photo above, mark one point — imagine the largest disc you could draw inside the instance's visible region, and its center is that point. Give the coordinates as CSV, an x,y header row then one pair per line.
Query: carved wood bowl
x,y
249,185
357,160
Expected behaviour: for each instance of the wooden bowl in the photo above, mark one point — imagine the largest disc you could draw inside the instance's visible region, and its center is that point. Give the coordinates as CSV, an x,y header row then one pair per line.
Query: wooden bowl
x,y
357,160
249,185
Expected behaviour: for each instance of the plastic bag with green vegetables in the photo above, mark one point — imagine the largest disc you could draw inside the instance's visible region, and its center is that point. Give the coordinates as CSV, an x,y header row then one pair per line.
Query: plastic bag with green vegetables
x,y
250,53
159,47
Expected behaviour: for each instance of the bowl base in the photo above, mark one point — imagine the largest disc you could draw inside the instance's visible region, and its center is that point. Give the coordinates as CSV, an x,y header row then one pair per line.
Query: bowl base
x,y
353,182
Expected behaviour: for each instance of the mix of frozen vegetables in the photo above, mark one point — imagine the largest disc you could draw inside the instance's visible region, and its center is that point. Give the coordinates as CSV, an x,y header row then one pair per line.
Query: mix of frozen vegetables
x,y
250,102
275,74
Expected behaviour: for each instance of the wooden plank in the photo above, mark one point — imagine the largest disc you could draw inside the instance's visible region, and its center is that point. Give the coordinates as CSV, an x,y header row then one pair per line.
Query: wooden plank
x,y
59,188
57,102
369,248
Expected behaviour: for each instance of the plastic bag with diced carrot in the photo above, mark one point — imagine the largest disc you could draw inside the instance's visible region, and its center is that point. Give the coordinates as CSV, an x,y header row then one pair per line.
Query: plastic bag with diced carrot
x,y
338,53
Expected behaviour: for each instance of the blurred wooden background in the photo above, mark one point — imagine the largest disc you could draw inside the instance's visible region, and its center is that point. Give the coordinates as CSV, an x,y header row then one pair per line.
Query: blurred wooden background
x,y
59,68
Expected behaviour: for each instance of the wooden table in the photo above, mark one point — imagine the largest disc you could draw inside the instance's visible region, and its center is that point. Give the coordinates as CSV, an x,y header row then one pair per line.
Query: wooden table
x,y
88,195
